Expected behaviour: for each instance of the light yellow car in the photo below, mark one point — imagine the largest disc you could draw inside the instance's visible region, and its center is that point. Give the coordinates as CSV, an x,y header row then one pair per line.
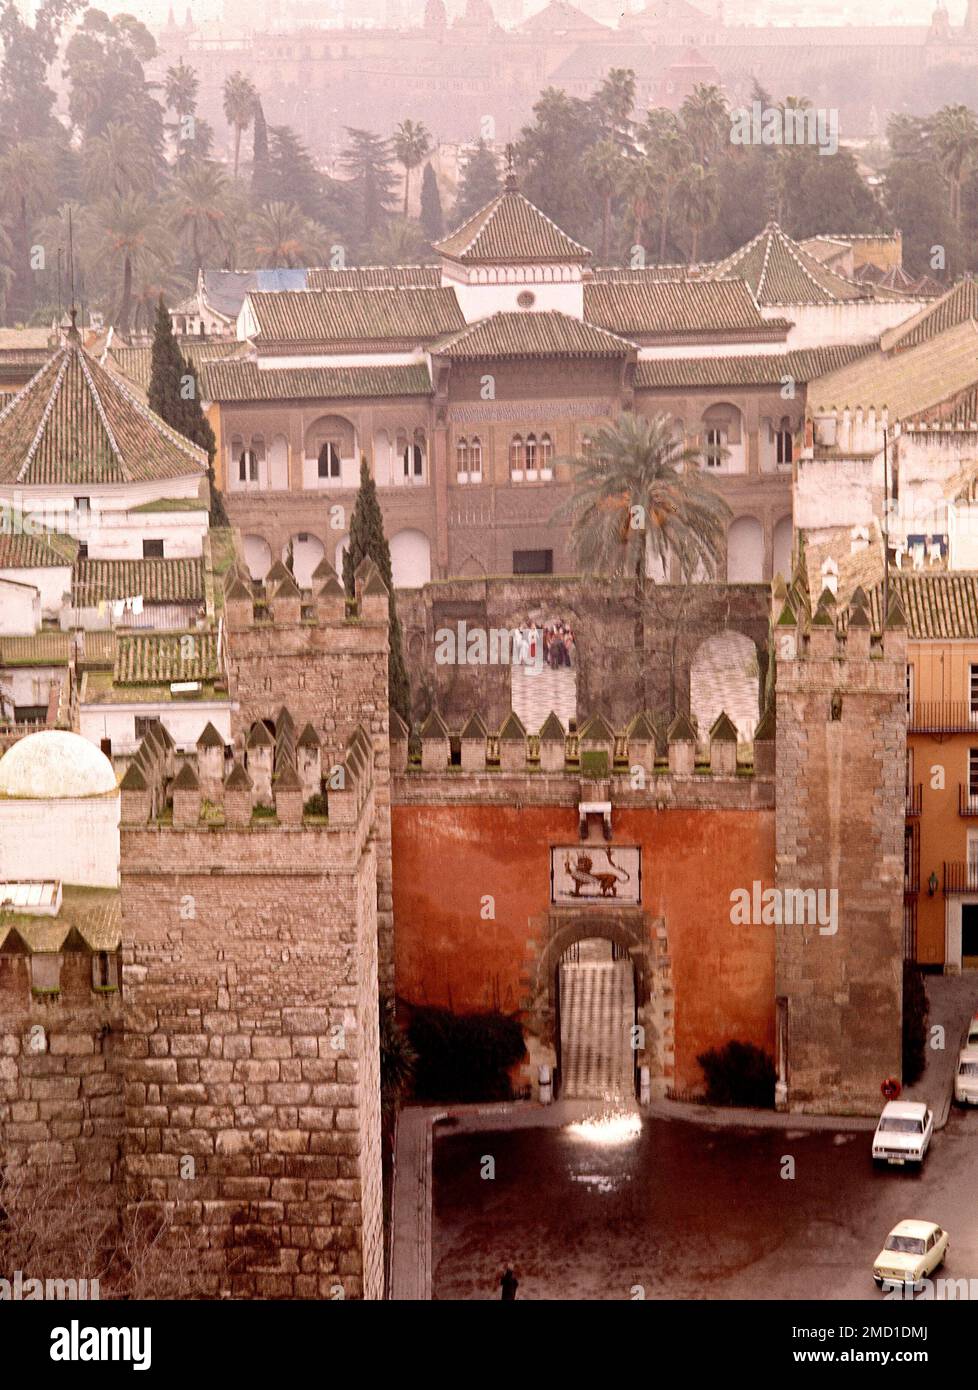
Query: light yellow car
x,y
913,1250
966,1079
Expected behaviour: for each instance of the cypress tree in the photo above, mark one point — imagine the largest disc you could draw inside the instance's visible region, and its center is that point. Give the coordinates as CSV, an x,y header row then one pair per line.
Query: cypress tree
x,y
367,538
478,184
174,396
432,221
262,181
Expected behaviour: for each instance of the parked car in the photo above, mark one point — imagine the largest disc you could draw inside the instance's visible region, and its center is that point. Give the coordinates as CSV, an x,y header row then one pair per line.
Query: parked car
x,y
971,1040
904,1133
913,1250
966,1079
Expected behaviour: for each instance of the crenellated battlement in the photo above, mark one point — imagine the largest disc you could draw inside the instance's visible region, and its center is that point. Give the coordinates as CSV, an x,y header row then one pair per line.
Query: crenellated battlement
x,y
832,647
279,602
281,777
674,766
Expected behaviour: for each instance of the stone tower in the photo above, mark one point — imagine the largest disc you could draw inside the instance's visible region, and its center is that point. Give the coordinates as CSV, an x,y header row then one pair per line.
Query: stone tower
x,y
840,779
250,917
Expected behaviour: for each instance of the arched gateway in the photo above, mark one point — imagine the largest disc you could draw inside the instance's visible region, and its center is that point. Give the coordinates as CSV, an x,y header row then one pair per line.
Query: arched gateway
x,y
629,937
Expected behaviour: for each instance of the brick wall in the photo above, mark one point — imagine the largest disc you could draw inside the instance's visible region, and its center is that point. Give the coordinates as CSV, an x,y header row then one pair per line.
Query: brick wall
x,y
61,1082
251,1020
627,658
841,768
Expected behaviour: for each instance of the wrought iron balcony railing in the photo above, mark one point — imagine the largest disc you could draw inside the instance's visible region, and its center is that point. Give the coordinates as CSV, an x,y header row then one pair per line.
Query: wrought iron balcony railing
x,y
943,717
967,800
960,877
914,798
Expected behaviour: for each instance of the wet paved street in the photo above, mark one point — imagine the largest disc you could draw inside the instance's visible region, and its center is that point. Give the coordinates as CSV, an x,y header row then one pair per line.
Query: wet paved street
x,y
688,1212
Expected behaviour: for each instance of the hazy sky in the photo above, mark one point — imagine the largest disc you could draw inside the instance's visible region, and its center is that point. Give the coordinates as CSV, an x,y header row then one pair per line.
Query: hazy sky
x,y
154,12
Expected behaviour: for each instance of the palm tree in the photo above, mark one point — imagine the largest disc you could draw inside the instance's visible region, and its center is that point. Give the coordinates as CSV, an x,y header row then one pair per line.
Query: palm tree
x,y
697,196
783,155
201,211
6,269
240,97
614,101
398,242
667,150
705,116
180,88
641,496
26,177
280,234
639,185
411,144
118,162
128,238
955,136
606,167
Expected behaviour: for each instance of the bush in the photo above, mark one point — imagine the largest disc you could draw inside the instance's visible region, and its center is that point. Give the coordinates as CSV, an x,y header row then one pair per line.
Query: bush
x,y
914,1023
464,1057
739,1074
317,805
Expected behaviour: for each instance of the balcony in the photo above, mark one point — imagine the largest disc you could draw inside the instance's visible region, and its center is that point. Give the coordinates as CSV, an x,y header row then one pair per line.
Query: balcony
x,y
914,797
967,801
943,717
960,877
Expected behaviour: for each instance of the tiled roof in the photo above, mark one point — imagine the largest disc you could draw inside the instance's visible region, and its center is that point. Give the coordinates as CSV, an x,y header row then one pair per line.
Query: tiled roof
x,y
93,914
371,277
33,552
159,581
780,272
510,231
334,316
158,658
959,305
530,334
76,423
937,604
28,340
674,307
99,648
41,649
245,381
136,363
621,274
560,15
958,412
760,369
826,249
907,383
857,569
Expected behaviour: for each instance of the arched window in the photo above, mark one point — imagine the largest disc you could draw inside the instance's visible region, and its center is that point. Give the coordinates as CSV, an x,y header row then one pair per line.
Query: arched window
x,y
247,466
783,442
329,460
531,451
462,456
516,454
546,451
715,441
413,455
475,458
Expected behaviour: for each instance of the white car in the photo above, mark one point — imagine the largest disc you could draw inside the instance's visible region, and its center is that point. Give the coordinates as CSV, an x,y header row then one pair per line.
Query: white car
x,y
966,1079
913,1250
972,1038
904,1133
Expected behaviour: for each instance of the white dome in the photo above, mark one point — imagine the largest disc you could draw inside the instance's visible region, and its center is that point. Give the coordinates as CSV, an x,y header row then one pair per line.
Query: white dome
x,y
54,765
